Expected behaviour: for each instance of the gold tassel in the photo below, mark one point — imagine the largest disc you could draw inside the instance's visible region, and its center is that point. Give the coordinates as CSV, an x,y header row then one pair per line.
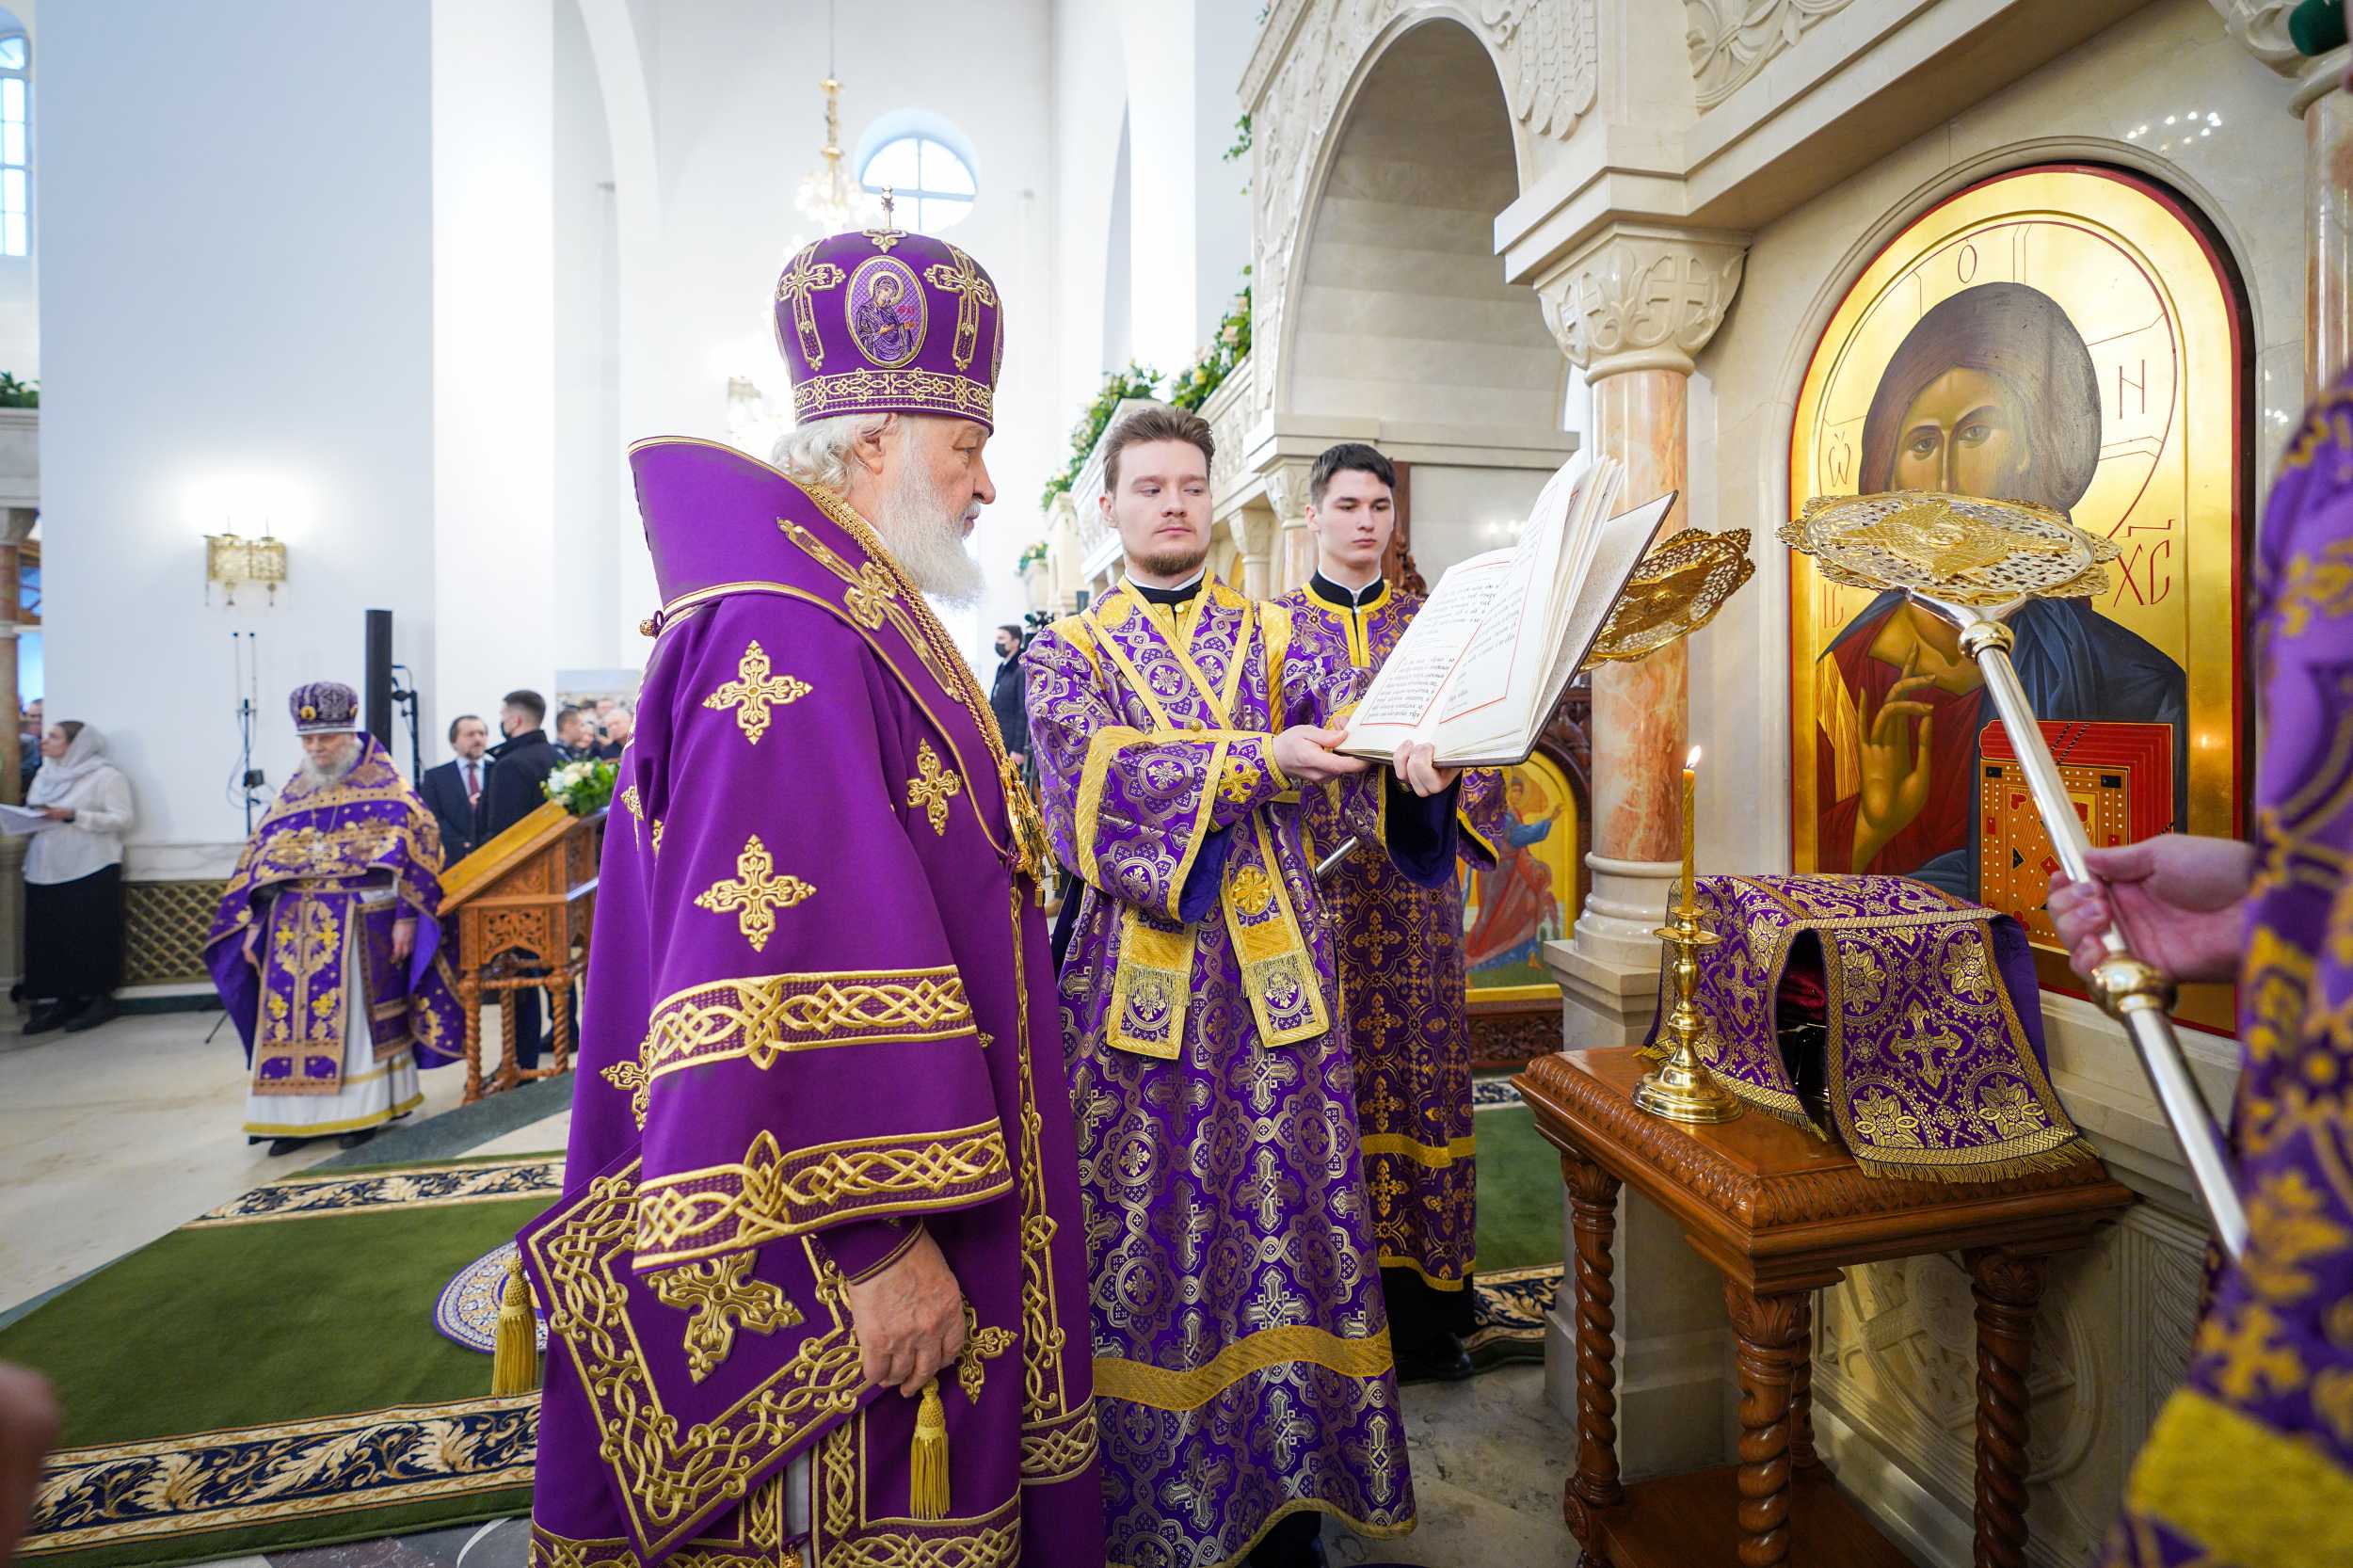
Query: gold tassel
x,y
515,1351
927,1465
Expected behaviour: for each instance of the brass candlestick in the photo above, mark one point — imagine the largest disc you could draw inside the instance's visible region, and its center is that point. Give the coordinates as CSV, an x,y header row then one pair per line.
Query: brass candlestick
x,y
1681,1089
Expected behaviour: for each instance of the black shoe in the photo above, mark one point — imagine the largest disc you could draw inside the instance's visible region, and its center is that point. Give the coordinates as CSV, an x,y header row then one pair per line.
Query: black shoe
x,y
99,1012
285,1145
1442,1360
1295,1543
48,1015
353,1140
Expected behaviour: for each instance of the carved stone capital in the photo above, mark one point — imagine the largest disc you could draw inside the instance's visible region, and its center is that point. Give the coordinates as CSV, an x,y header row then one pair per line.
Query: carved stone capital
x,y
1286,481
1643,298
1252,533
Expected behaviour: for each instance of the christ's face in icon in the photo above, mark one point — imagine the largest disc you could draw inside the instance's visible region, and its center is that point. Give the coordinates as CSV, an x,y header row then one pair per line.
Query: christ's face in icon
x,y
1962,436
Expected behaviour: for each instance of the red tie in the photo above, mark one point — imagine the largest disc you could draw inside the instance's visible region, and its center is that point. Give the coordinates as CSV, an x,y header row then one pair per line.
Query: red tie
x,y
473,785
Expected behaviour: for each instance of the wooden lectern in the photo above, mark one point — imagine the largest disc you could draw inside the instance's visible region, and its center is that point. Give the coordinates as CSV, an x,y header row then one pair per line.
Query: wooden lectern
x,y
521,906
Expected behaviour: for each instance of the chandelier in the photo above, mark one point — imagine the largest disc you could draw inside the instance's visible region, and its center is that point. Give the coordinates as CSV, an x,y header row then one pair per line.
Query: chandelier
x,y
828,197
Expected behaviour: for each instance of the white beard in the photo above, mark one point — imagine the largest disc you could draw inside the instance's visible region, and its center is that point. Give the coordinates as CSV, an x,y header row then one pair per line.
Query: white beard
x,y
927,540
333,773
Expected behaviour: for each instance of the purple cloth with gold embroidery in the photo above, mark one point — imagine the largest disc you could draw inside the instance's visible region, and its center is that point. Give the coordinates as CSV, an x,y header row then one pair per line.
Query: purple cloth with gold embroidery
x,y
1935,1065
1401,985
320,853
2253,1462
820,1012
1243,1361
885,321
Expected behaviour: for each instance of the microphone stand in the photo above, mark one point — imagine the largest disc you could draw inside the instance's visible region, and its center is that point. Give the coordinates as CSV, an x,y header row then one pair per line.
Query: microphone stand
x,y
404,699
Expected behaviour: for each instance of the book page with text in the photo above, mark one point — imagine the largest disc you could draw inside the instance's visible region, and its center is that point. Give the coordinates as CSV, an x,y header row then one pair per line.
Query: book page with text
x,y
1403,699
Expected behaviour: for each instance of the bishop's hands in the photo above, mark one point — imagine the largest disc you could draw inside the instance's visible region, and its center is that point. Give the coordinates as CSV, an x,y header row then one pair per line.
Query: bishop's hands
x,y
909,1319
403,940
2183,901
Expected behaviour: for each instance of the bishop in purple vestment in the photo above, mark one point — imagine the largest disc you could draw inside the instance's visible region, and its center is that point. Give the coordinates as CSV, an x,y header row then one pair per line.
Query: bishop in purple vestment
x,y
816,1288
1243,1373
327,948
1401,955
2251,1464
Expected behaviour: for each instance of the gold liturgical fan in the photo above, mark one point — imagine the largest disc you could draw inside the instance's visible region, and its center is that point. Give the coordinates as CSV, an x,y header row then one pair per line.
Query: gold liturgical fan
x,y
1974,563
1678,588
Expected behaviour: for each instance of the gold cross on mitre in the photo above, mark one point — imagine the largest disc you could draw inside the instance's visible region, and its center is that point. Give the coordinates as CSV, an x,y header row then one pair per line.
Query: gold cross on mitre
x,y
972,290
755,690
754,894
888,234
799,286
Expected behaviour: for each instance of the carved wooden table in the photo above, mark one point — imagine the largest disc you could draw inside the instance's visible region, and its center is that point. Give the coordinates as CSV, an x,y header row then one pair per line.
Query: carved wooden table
x,y
524,906
1781,1214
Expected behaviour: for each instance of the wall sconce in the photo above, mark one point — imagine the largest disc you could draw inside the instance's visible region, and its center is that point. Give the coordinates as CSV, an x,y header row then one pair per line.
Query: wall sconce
x,y
230,561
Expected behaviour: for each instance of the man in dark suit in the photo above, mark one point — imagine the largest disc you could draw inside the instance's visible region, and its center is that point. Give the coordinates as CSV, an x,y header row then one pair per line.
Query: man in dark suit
x,y
518,775
1005,696
454,790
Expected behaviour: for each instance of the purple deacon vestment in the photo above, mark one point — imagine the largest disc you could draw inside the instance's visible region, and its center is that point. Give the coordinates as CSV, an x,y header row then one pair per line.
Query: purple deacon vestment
x,y
820,1014
1401,985
2250,1465
1242,1363
362,848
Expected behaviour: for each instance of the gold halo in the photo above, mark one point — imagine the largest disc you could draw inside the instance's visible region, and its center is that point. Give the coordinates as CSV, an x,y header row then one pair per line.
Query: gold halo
x,y
1961,549
1676,589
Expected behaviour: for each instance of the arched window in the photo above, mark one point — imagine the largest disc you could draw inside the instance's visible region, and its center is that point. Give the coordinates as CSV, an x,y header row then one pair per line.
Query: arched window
x,y
931,186
16,162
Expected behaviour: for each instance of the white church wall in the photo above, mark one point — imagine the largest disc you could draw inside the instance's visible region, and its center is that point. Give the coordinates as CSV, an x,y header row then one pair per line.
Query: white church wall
x,y
238,312
20,276
735,98
494,353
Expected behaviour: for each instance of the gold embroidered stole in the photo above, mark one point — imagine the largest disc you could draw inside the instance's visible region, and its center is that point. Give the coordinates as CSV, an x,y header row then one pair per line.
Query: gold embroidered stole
x,y
1187,676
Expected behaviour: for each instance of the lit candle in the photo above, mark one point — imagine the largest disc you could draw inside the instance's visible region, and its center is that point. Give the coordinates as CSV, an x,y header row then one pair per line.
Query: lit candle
x,y
1691,800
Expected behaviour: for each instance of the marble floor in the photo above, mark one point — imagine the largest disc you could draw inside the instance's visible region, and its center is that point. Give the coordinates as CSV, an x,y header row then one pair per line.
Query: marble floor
x,y
112,1138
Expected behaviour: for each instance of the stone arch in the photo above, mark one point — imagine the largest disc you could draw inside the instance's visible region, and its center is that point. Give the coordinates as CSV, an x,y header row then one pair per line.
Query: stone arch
x,y
1398,308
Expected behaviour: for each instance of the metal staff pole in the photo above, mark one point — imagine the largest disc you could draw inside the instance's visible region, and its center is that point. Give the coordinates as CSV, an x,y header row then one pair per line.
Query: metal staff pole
x,y
2132,989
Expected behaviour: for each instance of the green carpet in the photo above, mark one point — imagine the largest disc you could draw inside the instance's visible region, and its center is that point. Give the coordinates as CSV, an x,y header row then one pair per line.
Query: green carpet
x,y
287,1338
1519,1265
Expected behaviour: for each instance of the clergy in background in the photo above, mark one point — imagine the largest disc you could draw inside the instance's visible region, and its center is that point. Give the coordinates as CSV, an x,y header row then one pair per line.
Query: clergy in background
x,y
327,948
1401,955
1242,1365
817,1275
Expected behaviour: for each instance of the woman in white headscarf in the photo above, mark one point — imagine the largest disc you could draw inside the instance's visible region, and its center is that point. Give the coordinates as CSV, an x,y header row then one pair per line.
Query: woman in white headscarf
x,y
73,881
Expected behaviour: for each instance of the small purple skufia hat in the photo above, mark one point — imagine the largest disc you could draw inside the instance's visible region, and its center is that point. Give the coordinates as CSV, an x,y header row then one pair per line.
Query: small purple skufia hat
x,y
882,321
325,707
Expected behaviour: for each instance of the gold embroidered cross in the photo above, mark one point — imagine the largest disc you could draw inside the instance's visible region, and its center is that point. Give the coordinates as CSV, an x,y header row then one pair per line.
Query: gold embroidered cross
x,y
1241,778
754,894
629,1076
973,291
799,287
637,810
932,787
721,1301
980,1346
756,688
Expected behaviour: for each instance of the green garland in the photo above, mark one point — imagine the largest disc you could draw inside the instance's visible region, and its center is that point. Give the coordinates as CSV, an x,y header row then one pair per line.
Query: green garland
x,y
1135,381
1229,347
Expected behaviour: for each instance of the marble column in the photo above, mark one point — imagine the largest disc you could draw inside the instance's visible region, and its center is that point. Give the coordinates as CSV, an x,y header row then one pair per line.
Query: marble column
x,y
1292,555
1631,309
2327,115
1254,533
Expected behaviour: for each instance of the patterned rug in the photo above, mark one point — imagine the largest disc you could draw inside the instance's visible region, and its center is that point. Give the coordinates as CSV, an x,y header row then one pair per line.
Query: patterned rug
x,y
257,1380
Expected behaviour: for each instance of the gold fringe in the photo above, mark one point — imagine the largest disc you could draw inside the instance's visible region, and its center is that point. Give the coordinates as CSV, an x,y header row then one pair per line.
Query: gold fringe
x,y
927,1464
2073,1153
515,1351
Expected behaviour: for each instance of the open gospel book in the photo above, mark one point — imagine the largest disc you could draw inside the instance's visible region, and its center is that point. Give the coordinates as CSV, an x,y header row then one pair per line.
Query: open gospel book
x,y
1486,661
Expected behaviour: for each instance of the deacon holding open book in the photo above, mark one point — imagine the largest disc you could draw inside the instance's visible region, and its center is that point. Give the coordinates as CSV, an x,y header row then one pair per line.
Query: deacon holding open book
x,y
1243,1374
1400,954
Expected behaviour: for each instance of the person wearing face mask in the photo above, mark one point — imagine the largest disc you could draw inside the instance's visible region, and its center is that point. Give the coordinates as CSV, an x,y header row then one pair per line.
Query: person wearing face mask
x,y
74,882
1004,695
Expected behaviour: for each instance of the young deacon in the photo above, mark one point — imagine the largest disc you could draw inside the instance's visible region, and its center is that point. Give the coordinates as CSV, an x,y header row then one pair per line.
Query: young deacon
x,y
1243,1375
1400,956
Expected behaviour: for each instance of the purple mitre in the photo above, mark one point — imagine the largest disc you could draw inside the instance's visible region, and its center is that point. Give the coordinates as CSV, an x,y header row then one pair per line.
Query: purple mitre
x,y
325,707
882,321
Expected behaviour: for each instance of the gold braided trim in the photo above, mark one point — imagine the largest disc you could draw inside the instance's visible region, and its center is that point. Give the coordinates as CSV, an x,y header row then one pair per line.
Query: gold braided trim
x,y
1435,1282
1103,749
916,390
1141,1383
768,1194
1059,1449
1434,1155
760,1541
2275,1502
765,1016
